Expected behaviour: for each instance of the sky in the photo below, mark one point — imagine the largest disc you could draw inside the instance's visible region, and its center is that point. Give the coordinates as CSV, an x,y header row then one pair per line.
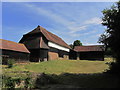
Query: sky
x,y
69,20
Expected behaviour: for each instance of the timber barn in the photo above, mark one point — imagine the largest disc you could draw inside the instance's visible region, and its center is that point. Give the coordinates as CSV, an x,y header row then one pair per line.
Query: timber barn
x,y
94,52
44,45
13,50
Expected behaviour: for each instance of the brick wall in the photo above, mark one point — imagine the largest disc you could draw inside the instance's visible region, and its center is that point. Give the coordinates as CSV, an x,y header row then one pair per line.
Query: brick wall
x,y
52,56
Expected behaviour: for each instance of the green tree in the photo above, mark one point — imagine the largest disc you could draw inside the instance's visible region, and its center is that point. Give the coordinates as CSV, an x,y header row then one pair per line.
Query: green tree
x,y
77,43
71,45
111,37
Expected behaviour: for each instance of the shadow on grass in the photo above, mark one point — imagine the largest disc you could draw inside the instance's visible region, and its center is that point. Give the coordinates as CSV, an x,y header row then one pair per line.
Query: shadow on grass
x,y
68,80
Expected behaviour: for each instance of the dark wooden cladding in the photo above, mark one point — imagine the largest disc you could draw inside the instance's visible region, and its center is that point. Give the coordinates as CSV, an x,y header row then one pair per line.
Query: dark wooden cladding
x,y
38,55
93,52
34,41
99,55
72,55
17,56
37,43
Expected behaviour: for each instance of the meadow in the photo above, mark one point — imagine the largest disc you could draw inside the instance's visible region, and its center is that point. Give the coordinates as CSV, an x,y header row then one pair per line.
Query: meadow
x,y
68,73
61,66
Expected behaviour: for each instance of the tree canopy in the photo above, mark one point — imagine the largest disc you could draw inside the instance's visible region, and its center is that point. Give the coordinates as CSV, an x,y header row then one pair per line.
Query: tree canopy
x,y
75,43
111,37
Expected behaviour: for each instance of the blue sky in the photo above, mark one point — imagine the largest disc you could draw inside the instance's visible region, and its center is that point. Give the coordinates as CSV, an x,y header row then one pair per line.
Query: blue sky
x,y
69,20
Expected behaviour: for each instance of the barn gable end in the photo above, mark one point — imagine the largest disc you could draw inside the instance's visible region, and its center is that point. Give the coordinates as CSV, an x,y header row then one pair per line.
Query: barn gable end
x,y
44,45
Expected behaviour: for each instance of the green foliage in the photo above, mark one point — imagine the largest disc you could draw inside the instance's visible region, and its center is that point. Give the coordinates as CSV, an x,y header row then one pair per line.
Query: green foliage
x,y
29,83
77,43
111,37
8,82
71,46
17,82
10,63
108,52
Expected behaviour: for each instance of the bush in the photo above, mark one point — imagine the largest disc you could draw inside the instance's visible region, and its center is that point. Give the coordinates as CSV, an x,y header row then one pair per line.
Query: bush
x,y
113,68
8,82
17,82
10,63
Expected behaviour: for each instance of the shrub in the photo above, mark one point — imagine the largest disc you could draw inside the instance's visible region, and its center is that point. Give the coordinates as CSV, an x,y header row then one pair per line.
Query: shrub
x,y
10,63
8,82
16,82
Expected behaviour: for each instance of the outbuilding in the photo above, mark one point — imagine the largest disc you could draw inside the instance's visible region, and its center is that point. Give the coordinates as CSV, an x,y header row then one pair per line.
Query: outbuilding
x,y
44,45
93,52
13,50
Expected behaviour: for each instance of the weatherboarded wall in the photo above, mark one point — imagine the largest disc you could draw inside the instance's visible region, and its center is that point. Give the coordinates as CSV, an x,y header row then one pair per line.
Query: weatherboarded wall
x,y
98,55
17,56
38,55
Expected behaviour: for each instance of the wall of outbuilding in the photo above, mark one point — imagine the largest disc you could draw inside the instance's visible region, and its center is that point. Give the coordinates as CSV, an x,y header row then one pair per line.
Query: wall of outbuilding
x,y
54,54
92,55
17,56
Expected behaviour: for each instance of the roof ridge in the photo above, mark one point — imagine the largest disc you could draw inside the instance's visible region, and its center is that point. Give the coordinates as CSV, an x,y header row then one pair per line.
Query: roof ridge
x,y
49,36
48,31
89,45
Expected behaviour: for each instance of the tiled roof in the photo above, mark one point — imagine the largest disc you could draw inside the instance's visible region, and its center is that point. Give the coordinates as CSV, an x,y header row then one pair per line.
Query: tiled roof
x,y
89,48
49,36
10,45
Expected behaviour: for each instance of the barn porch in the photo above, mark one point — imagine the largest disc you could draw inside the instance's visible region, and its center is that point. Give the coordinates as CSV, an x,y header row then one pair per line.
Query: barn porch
x,y
38,55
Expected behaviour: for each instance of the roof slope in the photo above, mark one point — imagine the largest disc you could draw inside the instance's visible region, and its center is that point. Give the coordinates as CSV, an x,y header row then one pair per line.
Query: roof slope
x,y
49,36
10,45
89,48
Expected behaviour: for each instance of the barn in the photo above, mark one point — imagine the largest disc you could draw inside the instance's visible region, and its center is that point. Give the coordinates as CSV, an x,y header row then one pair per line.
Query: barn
x,y
13,50
44,45
93,52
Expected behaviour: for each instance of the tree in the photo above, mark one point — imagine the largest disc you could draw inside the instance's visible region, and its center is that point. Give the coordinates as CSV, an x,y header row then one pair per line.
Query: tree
x,y
71,45
77,43
111,37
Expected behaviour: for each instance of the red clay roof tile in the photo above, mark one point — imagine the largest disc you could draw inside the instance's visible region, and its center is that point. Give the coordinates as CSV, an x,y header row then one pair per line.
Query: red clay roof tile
x,y
49,36
89,48
10,45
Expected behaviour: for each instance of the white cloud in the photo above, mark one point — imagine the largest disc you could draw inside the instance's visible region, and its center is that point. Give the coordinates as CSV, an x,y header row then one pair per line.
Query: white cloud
x,y
94,20
73,27
48,13
83,34
91,44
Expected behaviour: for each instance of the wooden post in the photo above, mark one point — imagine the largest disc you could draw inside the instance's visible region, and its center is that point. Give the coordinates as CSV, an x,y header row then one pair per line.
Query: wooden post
x,y
78,56
39,60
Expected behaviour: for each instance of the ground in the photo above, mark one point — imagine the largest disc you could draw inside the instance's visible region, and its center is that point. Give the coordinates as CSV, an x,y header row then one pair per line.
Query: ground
x,y
73,73
62,66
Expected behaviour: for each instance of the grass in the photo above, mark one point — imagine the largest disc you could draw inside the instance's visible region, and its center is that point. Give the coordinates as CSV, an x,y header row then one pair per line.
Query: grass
x,y
61,66
67,73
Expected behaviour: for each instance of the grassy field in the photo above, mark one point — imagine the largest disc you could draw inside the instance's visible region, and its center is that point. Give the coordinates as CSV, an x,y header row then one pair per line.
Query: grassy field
x,y
67,73
62,66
